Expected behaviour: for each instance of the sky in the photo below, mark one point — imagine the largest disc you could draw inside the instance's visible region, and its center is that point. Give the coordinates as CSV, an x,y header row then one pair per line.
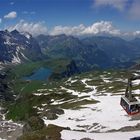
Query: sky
x,y
72,17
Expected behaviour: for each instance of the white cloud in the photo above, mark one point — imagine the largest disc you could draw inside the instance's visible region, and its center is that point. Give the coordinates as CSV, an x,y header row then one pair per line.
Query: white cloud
x,y
118,4
0,20
130,8
33,28
102,28
69,30
136,34
98,28
11,15
130,35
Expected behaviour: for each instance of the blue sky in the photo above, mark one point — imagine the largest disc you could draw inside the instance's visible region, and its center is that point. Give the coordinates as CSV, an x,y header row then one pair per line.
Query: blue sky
x,y
121,15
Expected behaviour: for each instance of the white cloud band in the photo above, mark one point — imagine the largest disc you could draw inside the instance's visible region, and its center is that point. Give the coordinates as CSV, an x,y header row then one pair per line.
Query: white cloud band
x,y
33,28
98,28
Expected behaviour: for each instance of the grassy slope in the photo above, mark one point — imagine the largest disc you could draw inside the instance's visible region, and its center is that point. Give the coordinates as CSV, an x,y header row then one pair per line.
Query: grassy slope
x,y
23,107
56,65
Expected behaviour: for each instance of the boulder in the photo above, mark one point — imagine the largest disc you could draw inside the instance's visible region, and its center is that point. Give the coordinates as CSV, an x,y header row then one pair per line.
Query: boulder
x,y
34,123
51,116
53,113
58,111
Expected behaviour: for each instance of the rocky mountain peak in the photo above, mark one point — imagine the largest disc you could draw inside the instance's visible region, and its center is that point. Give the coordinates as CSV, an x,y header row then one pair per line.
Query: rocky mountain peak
x,y
17,47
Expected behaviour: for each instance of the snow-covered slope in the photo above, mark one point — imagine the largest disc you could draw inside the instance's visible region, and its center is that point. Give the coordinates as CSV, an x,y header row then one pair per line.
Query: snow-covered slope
x,y
86,105
95,120
103,116
69,135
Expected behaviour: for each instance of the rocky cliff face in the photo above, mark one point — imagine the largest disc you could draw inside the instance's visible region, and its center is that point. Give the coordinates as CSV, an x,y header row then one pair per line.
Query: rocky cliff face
x,y
85,55
5,92
16,47
66,71
70,69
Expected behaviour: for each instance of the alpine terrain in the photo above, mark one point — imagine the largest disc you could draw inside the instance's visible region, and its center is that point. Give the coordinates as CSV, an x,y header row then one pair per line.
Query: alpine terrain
x,y
69,70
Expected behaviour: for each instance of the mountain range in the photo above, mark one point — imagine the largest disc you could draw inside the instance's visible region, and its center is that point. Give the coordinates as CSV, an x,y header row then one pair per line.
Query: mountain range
x,y
18,47
89,53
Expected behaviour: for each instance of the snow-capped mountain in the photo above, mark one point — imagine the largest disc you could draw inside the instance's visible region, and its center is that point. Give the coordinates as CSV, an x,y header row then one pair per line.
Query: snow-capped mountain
x,y
16,47
89,53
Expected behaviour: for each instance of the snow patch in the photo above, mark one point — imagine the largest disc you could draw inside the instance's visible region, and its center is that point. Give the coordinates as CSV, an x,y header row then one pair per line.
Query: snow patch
x,y
16,59
69,135
9,43
136,82
40,94
87,86
2,139
26,34
73,81
24,56
102,117
41,90
73,92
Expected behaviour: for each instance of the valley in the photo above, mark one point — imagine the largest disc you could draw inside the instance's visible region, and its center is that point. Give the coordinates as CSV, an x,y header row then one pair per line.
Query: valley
x,y
83,105
70,70
54,86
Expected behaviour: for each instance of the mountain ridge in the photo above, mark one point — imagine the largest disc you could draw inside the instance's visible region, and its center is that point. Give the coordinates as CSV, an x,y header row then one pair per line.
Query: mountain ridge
x,y
17,48
96,52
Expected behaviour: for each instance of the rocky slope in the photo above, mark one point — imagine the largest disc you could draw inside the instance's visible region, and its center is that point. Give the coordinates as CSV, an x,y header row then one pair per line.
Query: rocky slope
x,y
88,102
16,47
89,53
86,56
